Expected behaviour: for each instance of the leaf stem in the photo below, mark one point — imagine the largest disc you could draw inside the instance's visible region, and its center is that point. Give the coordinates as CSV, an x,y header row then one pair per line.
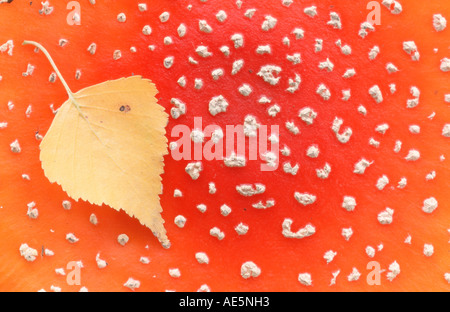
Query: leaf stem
x,y
40,47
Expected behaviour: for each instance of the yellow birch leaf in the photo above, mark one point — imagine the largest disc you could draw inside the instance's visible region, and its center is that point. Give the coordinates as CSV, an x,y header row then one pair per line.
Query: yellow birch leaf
x,y
106,146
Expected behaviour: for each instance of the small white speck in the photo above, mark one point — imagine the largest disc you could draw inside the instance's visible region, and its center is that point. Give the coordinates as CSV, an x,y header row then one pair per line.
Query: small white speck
x,y
318,46
373,53
132,283
308,115
217,233
203,51
391,68
310,11
439,22
354,275
225,210
324,92
178,109
329,255
250,269
362,110
181,30
241,229
287,167
413,155
164,17
382,128
394,270
194,169
429,205
360,166
201,207
238,40
349,73
180,221
335,21
121,17
142,7
221,16
250,190
100,262
251,126
237,66
198,83
327,64
393,6
349,203
428,250
234,160
370,251
382,182
177,193
15,146
408,239
27,252
402,183
273,110
202,257
147,30
364,29
117,54
411,48
71,238
225,50
376,94
217,104
392,88
305,279
267,73
249,13
263,49
343,137
217,73
66,204
305,198
93,219
335,275
445,64
204,26
123,239
259,205
298,33
313,151
415,129
294,58
269,23
386,216
347,233
306,231
168,62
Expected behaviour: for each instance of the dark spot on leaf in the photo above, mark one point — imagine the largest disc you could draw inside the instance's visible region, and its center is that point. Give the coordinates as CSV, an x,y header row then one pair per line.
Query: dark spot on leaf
x,y
125,108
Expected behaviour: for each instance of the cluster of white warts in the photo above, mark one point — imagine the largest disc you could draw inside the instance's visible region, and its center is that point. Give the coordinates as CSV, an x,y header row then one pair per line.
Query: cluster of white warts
x,y
270,74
